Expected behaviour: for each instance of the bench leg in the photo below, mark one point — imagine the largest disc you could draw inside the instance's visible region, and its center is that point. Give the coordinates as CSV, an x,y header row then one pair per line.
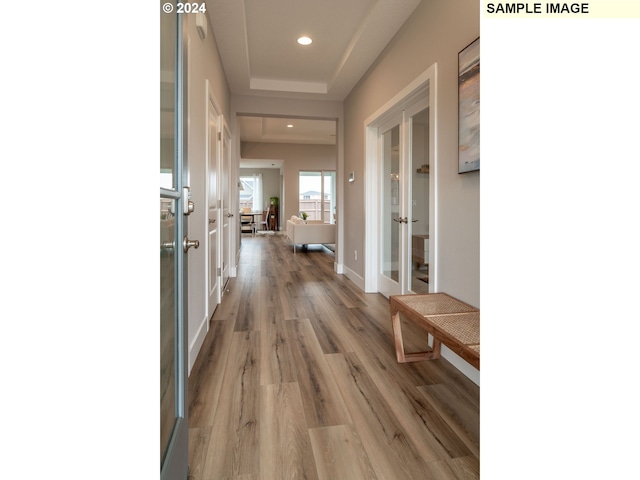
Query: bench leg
x,y
403,357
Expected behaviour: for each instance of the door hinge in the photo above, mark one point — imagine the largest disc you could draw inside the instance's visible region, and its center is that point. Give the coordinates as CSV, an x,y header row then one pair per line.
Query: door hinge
x,y
219,271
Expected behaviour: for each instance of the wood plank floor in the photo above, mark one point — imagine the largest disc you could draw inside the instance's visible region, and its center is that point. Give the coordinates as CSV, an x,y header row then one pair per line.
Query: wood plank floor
x,y
297,379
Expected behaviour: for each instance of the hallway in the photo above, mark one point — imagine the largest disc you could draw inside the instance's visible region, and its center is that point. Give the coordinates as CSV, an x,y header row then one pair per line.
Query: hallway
x,y
297,378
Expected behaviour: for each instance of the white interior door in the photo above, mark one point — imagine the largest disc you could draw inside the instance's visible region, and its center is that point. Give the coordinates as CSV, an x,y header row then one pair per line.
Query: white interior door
x,y
225,186
213,211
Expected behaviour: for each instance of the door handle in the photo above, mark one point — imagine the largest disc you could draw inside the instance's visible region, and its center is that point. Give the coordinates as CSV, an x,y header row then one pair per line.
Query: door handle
x,y
413,220
212,221
398,220
229,215
187,244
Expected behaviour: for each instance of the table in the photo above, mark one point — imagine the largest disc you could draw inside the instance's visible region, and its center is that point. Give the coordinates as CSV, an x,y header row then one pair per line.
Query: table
x,y
254,220
449,321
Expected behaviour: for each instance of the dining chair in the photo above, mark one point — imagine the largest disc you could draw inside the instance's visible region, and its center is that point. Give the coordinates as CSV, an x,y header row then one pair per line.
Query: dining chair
x,y
246,222
264,222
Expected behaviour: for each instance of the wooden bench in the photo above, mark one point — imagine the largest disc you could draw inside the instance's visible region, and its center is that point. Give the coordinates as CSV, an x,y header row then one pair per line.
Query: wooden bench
x,y
448,320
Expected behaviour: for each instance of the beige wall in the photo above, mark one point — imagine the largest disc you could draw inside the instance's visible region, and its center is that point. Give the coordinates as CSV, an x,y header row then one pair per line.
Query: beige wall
x,y
203,64
435,33
296,158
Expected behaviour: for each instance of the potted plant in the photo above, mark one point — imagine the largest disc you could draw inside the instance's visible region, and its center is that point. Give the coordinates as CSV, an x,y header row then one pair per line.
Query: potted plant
x,y
304,216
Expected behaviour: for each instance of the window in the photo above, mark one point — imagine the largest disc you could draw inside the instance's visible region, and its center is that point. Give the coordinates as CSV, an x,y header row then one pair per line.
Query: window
x,y
251,192
317,195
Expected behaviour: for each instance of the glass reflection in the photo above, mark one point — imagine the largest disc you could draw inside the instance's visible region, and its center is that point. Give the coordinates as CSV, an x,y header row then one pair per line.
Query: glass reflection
x,y
419,169
391,204
167,323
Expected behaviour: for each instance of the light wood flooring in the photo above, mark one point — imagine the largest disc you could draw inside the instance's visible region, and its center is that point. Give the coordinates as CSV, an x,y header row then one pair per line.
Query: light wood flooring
x,y
297,379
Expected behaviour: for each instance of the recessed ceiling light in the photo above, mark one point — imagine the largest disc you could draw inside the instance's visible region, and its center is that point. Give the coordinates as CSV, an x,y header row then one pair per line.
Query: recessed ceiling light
x,y
289,126
304,41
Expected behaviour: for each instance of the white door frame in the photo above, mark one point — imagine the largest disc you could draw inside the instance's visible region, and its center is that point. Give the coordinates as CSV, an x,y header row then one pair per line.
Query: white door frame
x,y
424,84
212,111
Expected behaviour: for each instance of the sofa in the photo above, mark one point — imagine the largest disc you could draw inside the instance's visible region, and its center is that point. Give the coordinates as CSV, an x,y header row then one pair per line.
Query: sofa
x,y
309,232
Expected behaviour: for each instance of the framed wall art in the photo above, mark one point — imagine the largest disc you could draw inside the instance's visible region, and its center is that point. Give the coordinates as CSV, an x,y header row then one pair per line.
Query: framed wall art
x,y
469,108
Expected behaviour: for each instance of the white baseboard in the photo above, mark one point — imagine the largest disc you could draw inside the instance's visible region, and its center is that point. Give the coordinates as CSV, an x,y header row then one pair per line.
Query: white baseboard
x,y
354,277
467,370
197,342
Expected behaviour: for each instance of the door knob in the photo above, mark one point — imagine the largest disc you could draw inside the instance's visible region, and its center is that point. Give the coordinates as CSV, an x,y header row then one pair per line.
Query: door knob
x,y
187,244
398,220
229,215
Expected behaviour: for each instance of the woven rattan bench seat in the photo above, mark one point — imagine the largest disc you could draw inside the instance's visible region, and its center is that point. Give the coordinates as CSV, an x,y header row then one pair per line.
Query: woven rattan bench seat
x,y
448,320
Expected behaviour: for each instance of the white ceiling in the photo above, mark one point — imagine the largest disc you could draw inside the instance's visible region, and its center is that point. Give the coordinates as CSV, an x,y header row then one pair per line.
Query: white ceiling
x,y
287,130
257,44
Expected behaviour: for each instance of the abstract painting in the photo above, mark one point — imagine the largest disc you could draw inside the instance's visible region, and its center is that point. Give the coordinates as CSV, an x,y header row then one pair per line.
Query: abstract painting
x,y
469,108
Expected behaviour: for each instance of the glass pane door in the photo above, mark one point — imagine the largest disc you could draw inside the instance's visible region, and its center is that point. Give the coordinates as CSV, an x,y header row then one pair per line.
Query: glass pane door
x,y
419,206
173,418
404,224
168,54
401,201
389,281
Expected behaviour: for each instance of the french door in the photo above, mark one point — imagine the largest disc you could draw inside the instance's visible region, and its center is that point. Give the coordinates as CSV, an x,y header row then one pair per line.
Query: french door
x,y
403,146
174,209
